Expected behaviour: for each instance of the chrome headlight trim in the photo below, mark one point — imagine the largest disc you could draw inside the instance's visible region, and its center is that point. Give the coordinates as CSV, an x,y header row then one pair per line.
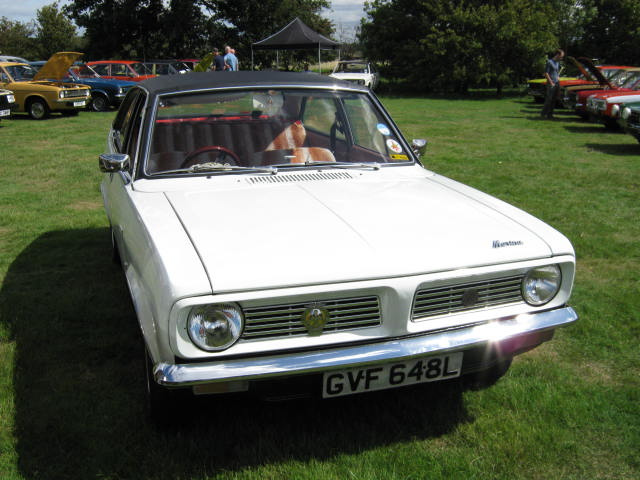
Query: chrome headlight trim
x,y
541,284
215,327
625,113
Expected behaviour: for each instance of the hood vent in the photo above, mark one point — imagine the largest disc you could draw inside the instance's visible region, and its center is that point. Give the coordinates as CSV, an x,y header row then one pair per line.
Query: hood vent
x,y
300,177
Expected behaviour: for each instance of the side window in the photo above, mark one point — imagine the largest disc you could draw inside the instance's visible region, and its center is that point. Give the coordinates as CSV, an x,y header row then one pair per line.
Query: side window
x,y
123,121
102,69
119,70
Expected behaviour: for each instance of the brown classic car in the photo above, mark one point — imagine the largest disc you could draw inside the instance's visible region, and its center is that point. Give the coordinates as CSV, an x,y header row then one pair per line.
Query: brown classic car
x,y
39,97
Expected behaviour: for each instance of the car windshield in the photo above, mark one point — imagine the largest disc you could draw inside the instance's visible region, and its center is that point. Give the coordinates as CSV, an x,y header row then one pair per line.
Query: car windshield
x,y
351,68
258,128
619,77
21,73
632,80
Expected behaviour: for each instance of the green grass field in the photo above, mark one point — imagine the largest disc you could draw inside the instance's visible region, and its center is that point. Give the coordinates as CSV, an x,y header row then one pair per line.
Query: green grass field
x,y
71,376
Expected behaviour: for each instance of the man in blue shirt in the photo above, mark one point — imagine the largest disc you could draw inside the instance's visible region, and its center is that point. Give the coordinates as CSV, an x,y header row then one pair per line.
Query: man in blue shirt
x,y
552,74
230,59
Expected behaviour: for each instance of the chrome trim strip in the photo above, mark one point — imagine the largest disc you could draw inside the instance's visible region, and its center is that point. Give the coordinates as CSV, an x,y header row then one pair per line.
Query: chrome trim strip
x,y
346,357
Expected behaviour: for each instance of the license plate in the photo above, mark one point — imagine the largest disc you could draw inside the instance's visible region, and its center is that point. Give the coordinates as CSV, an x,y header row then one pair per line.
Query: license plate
x,y
4,113
79,104
391,375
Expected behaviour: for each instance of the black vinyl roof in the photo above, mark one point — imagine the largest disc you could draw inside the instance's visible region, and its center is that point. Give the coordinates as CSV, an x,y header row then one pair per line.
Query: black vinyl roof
x,y
204,80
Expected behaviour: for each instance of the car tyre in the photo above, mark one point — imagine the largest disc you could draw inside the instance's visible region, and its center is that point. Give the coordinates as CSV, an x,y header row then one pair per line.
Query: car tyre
x,y
164,406
37,109
99,103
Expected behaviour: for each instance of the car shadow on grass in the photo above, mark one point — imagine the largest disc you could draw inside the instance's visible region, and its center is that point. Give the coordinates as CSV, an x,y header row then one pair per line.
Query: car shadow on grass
x,y
616,149
79,398
594,128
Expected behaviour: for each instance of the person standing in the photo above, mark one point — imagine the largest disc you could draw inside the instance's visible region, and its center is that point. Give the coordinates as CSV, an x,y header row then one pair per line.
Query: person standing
x,y
552,74
230,59
218,61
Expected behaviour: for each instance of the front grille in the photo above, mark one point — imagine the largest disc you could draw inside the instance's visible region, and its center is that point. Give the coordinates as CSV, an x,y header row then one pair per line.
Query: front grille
x,y
634,117
466,296
286,320
75,93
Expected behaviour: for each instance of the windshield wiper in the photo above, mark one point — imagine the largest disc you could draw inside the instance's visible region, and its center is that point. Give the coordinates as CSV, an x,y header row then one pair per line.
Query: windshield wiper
x,y
218,167
373,166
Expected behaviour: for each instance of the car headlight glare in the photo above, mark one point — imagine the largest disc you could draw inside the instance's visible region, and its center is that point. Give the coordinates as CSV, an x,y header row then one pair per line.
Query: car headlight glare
x,y
11,99
615,110
625,113
541,284
215,327
62,94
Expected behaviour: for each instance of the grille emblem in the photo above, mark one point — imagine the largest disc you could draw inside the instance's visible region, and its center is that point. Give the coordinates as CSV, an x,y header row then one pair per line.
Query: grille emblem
x,y
315,318
470,297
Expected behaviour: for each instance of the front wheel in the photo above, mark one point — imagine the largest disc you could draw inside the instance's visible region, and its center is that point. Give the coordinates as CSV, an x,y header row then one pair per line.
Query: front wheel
x,y
99,103
163,404
38,109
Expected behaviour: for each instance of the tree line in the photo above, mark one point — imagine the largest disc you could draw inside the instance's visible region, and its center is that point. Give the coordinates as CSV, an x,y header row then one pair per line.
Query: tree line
x,y
448,45
456,44
151,29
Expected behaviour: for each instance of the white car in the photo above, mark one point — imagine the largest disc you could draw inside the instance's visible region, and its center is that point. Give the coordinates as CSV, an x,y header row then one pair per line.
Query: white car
x,y
360,72
278,226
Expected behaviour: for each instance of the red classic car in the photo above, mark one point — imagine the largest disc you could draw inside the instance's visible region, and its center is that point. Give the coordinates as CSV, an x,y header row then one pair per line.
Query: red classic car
x,y
590,75
121,70
605,107
579,98
608,77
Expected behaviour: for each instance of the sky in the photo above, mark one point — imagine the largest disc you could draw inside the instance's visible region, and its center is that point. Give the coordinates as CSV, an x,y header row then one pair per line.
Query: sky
x,y
345,13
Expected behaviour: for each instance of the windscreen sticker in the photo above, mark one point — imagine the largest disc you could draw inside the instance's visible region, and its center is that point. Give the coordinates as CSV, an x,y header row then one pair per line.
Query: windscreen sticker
x,y
395,156
383,129
394,146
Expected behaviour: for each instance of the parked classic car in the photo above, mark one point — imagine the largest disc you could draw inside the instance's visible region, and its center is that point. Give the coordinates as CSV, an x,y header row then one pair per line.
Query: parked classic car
x,y
361,72
38,96
579,98
7,103
190,62
128,70
631,116
105,92
585,77
166,67
277,227
11,58
607,77
605,107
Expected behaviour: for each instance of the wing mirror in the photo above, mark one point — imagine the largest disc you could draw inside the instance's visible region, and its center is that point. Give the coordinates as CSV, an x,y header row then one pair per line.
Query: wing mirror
x,y
419,146
113,162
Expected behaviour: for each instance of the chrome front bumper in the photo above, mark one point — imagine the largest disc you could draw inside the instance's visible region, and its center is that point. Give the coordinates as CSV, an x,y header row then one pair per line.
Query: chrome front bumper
x,y
287,364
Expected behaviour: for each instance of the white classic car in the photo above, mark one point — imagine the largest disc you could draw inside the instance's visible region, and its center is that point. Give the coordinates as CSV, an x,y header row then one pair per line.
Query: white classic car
x,y
277,228
360,72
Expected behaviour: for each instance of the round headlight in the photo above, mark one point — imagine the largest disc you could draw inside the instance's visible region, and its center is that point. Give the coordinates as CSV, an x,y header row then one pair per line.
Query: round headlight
x,y
541,284
625,113
215,327
614,110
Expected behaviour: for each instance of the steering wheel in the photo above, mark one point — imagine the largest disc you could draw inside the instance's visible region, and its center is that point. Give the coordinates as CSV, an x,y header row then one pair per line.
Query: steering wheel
x,y
223,152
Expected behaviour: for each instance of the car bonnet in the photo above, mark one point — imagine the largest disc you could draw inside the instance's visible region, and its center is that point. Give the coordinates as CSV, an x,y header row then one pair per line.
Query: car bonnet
x,y
277,235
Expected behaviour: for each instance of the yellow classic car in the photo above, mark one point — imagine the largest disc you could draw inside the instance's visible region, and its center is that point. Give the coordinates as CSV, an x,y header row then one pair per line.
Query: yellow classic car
x,y
39,94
